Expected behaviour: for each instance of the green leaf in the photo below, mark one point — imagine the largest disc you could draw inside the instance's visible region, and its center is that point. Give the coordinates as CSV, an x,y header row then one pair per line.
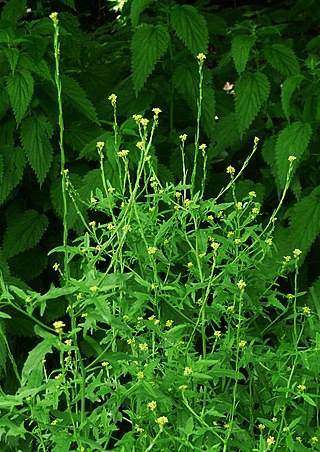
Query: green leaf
x,y
20,88
288,88
12,55
14,163
35,359
240,49
24,231
282,59
292,140
137,7
191,28
14,10
73,93
36,132
251,91
149,44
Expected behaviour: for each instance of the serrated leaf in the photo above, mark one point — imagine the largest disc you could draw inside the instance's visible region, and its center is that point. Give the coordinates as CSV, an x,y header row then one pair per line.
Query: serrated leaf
x,y
24,231
14,163
251,91
20,88
35,359
35,137
191,27
149,44
12,55
226,133
14,10
292,140
240,50
137,7
73,93
288,88
282,59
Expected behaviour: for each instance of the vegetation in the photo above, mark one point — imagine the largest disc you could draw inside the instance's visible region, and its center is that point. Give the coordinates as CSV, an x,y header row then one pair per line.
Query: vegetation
x,y
163,277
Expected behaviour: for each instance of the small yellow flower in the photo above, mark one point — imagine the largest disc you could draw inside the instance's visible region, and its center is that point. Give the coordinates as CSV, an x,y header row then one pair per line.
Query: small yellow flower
x,y
219,214
161,421
156,111
144,122
140,375
230,233
54,18
151,317
54,422
105,364
306,310
143,347
58,326
199,302
178,194
58,376
138,429
131,341
187,371
140,145
100,146
230,308
210,217
127,228
110,227
84,315
261,426
183,137
268,241
226,426
124,153
290,296
113,99
201,255
92,224
242,344
68,342
241,284
285,429
287,258
217,334
183,387
56,266
301,387
152,405
94,288
292,158
169,323
253,194
190,264
187,202
255,210
215,246
296,253
256,140
314,439
231,169
270,440
152,250
237,241
93,200
125,317
137,118
299,439
274,419
201,57
156,322
202,148
239,205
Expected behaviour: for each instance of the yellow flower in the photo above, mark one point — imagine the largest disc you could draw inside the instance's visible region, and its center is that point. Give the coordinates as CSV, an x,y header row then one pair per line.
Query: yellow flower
x,y
127,228
256,140
152,405
239,205
140,375
210,217
253,194
287,258
270,440
169,323
237,241
144,122
152,250
156,111
296,252
301,387
242,344
131,341
314,439
105,364
217,334
255,210
56,266
110,227
68,342
292,158
290,296
161,421
230,308
274,419
143,346
54,18
100,146
113,99
261,426
241,284
187,371
124,153
268,241
183,387
306,310
137,118
58,326
183,137
231,169
190,264
201,57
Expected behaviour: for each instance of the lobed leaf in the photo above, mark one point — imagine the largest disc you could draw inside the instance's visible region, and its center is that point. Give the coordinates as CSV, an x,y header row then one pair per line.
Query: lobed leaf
x,y
292,140
251,91
24,231
190,27
20,88
240,50
149,44
36,132
282,59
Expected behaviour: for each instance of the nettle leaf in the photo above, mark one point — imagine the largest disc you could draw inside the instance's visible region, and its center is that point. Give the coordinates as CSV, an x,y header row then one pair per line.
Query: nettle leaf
x,y
12,55
14,10
282,59
191,27
292,140
14,163
24,231
149,44
73,93
251,91
20,88
240,49
137,7
35,137
288,88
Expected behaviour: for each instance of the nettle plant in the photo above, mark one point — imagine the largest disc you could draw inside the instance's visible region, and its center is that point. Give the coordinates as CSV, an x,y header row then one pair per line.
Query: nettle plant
x,y
166,333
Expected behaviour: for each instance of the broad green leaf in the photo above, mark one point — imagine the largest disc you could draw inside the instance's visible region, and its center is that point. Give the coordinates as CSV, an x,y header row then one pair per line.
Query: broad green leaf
x,y
288,88
73,93
36,132
240,49
282,59
14,10
20,88
35,359
12,55
137,7
251,91
24,231
292,140
191,27
149,44
14,162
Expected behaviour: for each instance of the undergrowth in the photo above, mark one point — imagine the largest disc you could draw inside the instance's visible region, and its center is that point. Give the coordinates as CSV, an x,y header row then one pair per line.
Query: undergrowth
x,y
166,331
